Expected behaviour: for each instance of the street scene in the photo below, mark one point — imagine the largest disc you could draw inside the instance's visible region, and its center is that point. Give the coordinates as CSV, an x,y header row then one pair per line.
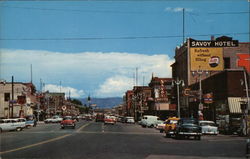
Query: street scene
x,y
97,79
92,139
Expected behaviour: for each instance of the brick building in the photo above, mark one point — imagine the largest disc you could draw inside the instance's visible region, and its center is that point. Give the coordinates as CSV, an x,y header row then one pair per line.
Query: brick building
x,y
225,84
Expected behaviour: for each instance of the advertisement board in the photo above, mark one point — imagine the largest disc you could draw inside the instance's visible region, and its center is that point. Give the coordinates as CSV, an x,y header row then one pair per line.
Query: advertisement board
x,y
209,59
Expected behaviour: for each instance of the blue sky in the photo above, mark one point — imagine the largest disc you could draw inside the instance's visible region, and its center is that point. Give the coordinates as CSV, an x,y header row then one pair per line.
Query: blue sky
x,y
94,46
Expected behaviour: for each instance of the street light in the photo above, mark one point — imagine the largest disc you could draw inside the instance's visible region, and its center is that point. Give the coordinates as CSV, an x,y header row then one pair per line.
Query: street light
x,y
199,72
178,82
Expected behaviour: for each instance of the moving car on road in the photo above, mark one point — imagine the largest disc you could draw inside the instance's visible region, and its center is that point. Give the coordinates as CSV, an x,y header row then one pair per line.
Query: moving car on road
x,y
99,117
149,121
110,120
170,126
11,124
188,127
54,119
68,121
208,127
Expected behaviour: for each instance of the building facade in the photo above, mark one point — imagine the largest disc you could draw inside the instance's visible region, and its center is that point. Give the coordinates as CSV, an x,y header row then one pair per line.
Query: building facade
x,y
17,99
227,61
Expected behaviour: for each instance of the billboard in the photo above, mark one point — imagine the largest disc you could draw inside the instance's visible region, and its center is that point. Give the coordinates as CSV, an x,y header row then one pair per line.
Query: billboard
x,y
209,59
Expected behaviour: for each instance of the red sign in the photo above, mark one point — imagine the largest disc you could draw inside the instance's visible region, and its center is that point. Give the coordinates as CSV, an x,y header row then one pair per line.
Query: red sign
x,y
244,61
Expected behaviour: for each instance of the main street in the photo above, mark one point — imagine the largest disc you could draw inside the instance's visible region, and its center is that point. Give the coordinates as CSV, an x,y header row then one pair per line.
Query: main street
x,y
126,141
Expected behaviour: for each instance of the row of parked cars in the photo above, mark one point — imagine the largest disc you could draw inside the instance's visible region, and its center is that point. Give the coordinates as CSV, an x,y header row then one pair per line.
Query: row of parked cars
x,y
180,128
17,124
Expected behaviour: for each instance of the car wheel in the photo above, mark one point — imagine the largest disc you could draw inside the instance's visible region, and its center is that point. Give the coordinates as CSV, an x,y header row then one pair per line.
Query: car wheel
x,y
18,129
1,130
167,135
161,131
62,127
198,137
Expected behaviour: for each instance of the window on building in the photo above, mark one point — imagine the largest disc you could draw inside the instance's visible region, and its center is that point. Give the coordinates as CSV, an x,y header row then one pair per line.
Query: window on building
x,y
227,63
6,97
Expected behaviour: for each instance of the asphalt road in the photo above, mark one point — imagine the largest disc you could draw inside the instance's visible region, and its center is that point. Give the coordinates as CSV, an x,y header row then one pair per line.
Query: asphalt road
x,y
91,140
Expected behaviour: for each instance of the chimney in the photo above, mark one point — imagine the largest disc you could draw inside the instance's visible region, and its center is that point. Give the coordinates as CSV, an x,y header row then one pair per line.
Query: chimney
x,y
212,37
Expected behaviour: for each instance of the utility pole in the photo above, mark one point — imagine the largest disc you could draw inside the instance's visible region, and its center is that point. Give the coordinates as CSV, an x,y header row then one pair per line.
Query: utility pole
x,y
31,74
60,86
136,76
183,25
12,96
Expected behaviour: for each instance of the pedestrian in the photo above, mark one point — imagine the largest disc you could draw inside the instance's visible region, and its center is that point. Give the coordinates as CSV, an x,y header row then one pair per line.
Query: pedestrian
x,y
35,122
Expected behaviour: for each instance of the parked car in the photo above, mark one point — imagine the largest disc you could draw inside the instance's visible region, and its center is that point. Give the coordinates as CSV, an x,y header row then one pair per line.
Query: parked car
x,y
54,119
130,120
149,121
11,124
160,125
170,126
109,120
188,127
208,127
68,121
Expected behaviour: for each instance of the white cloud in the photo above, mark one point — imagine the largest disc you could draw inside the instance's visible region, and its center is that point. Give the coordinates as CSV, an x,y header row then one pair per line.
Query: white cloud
x,y
106,74
73,92
115,86
178,9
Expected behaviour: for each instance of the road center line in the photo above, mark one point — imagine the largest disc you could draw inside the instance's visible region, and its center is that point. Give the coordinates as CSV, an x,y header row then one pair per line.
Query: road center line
x,y
78,130
43,142
36,144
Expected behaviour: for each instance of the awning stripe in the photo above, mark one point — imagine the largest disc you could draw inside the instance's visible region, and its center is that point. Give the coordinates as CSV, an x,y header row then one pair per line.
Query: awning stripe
x,y
234,104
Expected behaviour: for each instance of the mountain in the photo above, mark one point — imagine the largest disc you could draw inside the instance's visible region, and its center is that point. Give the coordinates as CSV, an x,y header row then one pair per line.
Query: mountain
x,y
103,102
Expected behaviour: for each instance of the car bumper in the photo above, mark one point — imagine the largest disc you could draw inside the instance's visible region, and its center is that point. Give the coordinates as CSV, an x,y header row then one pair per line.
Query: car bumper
x,y
190,133
210,133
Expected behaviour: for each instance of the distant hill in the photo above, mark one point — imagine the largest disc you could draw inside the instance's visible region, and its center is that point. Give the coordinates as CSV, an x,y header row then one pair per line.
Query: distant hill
x,y
104,102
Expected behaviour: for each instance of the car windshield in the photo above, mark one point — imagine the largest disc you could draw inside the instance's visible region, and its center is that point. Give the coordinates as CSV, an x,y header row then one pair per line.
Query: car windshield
x,y
67,118
207,124
189,121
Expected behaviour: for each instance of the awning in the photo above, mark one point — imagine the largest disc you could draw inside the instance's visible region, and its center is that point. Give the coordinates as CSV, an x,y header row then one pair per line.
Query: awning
x,y
234,104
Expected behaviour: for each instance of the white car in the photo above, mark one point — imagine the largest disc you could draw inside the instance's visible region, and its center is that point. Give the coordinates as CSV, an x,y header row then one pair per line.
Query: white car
x,y
208,127
130,120
12,124
149,121
160,126
54,119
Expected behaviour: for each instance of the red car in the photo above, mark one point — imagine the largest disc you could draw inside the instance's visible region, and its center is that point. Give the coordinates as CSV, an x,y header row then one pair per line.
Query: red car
x,y
109,120
68,121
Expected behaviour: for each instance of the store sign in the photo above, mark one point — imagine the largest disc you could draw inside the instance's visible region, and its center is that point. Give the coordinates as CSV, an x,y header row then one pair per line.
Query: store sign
x,y
214,43
209,59
208,98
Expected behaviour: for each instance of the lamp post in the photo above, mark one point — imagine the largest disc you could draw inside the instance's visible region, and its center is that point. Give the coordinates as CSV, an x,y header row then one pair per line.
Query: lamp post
x,y
178,82
199,72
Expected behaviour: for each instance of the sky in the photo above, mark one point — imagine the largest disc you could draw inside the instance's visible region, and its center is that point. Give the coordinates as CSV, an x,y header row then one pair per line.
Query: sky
x,y
94,47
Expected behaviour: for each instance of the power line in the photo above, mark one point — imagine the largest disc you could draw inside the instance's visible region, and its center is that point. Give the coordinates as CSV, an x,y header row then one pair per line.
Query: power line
x,y
115,11
118,38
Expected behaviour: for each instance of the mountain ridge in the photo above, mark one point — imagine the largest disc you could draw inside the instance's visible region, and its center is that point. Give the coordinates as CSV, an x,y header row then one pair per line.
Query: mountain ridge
x,y
107,102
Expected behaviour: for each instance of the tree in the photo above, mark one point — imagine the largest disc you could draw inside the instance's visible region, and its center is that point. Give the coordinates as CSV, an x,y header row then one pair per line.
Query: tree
x,y
76,101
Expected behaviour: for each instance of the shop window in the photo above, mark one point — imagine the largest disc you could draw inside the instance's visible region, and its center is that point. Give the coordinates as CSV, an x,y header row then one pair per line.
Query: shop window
x,y
6,97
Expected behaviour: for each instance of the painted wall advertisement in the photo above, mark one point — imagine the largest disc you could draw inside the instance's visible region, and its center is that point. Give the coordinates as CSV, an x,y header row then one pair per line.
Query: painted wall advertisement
x,y
208,55
209,59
